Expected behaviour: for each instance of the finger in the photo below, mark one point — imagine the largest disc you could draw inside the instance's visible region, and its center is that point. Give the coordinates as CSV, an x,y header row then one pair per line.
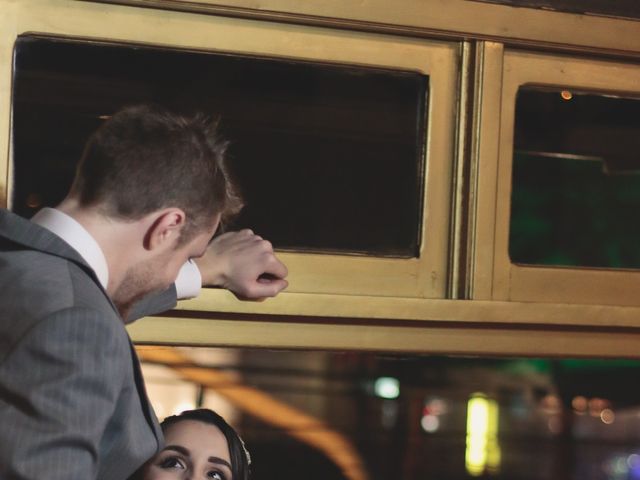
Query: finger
x,y
249,299
269,288
275,268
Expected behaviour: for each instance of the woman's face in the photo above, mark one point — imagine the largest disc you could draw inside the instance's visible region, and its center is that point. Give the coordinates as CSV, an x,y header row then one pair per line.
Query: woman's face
x,y
194,450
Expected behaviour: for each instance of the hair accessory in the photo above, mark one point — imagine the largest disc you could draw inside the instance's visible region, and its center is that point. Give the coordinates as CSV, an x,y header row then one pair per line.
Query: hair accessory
x,y
246,452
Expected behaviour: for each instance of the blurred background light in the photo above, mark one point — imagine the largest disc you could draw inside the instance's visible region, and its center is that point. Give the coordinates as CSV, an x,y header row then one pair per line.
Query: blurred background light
x,y
483,451
181,407
387,387
579,404
566,95
607,416
430,423
432,410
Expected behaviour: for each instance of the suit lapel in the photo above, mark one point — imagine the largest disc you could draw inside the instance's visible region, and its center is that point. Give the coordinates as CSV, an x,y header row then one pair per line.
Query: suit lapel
x,y
149,414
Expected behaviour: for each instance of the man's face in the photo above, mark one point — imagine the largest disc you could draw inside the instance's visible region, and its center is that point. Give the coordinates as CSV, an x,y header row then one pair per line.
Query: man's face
x,y
160,272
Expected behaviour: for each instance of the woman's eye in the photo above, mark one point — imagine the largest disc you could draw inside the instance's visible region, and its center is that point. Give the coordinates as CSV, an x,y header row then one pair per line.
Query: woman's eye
x,y
215,475
171,462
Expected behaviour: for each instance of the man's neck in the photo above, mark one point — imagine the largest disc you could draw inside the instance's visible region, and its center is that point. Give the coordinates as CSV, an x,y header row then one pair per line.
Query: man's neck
x,y
78,238
119,240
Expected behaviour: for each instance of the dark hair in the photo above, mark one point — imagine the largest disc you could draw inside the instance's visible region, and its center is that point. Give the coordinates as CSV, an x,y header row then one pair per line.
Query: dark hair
x,y
145,158
240,459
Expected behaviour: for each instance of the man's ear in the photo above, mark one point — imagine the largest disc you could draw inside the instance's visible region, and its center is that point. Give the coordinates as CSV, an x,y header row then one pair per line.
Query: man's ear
x,y
164,228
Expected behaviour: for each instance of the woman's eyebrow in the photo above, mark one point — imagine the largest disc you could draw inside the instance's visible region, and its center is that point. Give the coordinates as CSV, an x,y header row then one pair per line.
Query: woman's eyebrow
x,y
185,451
178,449
220,461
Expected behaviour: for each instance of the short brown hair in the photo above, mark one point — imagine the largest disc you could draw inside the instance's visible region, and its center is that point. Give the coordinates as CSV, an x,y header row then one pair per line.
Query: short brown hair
x,y
145,158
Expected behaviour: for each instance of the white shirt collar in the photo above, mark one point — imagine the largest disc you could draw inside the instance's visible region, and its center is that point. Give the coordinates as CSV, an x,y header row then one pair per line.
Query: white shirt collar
x,y
77,237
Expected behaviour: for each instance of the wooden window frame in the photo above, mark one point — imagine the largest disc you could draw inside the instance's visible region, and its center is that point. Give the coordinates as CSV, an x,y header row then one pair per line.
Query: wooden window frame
x,y
504,279
392,312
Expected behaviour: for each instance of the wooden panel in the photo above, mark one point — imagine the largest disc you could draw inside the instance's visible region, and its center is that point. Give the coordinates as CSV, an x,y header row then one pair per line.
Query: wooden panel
x,y
378,308
425,276
453,18
423,338
547,284
619,8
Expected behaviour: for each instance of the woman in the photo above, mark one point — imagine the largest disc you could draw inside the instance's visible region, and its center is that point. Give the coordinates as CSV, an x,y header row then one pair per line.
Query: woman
x,y
198,444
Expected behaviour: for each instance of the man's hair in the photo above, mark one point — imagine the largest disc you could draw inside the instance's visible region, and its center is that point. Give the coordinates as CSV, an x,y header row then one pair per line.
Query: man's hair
x,y
145,158
240,459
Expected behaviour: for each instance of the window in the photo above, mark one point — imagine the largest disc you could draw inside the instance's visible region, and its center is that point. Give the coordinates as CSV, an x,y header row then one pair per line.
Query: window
x,y
357,133
567,182
576,179
330,157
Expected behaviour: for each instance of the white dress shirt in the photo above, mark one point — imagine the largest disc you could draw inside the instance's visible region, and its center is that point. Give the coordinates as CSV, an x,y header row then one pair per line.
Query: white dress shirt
x,y
189,279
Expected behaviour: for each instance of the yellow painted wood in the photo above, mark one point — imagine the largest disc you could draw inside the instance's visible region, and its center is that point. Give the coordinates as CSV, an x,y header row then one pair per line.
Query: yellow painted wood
x,y
484,167
425,276
549,284
343,303
449,18
460,339
390,308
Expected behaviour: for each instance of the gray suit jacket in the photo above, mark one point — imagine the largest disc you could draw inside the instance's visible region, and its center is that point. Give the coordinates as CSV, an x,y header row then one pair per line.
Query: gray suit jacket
x,y
72,399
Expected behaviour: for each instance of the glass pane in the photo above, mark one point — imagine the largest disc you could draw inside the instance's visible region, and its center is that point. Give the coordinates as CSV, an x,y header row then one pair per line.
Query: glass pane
x,y
330,157
576,179
411,417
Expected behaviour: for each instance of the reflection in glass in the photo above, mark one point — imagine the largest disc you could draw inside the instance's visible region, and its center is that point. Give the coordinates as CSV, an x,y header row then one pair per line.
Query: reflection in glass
x,y
576,179
330,157
318,415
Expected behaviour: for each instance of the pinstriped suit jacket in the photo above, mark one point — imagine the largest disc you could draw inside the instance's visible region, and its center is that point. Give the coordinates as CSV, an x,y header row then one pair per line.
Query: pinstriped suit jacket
x,y
72,399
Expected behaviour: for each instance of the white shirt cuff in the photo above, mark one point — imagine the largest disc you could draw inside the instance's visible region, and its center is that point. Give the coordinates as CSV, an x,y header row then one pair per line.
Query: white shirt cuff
x,y
189,281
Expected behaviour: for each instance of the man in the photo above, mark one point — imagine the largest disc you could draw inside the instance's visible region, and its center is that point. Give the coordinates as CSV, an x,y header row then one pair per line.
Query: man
x,y
149,193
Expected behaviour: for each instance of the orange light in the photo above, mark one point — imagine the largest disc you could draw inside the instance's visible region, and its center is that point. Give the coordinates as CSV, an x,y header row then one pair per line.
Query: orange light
x,y
579,404
566,95
33,200
607,416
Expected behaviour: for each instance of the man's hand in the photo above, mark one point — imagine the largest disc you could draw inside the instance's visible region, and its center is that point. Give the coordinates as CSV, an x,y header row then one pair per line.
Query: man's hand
x,y
243,263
